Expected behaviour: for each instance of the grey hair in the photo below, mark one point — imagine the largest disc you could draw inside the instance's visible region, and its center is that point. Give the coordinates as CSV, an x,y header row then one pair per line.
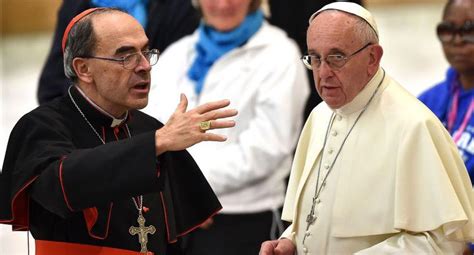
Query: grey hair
x,y
365,32
81,41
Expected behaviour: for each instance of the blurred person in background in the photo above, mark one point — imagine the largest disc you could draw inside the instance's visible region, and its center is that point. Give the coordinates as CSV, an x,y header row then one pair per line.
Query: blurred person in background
x,y
236,54
453,99
375,172
165,21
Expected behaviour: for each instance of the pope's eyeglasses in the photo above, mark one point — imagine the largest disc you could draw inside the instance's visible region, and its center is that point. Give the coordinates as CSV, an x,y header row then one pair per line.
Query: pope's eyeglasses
x,y
447,31
335,61
131,61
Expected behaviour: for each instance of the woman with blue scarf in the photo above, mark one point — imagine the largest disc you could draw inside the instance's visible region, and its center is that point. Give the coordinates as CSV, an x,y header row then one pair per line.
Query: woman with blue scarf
x,y
235,54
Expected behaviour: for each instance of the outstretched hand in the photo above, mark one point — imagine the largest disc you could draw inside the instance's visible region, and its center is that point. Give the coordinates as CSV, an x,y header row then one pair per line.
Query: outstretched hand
x,y
183,128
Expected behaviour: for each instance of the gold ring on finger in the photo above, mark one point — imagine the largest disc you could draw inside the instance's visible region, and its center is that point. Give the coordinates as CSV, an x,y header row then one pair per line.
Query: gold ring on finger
x,y
205,125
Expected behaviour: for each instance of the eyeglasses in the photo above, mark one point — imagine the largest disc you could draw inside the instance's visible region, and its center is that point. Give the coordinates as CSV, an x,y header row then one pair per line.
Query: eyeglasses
x,y
131,61
335,61
447,31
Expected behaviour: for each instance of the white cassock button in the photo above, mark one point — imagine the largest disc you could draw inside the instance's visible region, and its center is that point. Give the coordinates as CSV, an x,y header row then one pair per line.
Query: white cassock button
x,y
318,201
334,133
330,150
305,250
339,117
326,166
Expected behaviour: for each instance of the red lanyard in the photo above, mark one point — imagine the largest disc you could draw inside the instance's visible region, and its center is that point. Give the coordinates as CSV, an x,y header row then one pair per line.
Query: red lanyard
x,y
454,112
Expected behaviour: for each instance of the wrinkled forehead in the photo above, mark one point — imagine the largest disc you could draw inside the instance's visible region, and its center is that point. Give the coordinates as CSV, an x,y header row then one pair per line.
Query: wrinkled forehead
x,y
332,27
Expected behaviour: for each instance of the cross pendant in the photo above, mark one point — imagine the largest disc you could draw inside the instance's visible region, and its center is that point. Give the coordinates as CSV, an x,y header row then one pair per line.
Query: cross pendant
x,y
311,218
142,232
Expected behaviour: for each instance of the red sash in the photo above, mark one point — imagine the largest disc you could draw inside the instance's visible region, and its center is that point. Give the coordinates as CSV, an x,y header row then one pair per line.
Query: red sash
x,y
61,248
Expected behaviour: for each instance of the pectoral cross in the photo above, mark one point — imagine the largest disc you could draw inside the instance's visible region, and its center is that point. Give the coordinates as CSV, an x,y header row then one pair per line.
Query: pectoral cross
x,y
142,232
311,218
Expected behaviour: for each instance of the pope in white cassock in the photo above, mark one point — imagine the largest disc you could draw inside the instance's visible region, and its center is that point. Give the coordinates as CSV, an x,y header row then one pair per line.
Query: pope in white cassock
x,y
375,172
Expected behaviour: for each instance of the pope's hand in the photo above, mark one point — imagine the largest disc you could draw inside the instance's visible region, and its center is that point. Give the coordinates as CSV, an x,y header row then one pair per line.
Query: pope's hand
x,y
183,129
277,247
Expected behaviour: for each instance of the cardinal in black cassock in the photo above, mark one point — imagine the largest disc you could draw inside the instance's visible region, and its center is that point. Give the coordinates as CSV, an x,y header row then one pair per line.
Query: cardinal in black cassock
x,y
74,175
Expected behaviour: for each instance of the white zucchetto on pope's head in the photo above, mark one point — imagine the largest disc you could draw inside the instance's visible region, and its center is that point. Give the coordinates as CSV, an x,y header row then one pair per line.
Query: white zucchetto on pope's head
x,y
351,8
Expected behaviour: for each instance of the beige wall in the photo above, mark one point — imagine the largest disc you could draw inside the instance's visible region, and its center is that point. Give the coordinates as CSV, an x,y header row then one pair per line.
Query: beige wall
x,y
21,16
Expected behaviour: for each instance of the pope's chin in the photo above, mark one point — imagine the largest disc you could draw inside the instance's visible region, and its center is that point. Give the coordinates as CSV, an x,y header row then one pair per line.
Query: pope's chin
x,y
333,103
334,106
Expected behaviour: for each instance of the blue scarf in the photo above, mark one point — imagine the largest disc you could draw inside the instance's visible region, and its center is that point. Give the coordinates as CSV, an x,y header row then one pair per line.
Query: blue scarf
x,y
213,44
136,8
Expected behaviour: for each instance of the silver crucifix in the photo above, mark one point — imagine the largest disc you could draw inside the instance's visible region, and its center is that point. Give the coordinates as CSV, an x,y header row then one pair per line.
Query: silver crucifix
x,y
142,232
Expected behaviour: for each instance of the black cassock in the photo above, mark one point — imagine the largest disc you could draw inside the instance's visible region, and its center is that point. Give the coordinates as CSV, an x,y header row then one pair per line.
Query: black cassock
x,y
60,182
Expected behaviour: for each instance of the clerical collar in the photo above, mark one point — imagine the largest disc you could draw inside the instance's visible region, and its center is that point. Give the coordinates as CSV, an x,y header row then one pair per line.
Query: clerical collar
x,y
114,121
363,97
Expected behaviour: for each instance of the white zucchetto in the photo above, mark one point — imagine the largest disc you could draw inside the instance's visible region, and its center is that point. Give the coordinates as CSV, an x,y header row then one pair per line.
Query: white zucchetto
x,y
351,8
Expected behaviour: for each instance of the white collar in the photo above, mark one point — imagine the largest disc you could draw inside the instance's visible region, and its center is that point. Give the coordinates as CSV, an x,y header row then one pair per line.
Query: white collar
x,y
115,121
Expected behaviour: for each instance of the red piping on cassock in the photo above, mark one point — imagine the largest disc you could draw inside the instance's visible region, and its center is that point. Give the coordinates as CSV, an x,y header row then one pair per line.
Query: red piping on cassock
x,y
62,184
91,215
20,208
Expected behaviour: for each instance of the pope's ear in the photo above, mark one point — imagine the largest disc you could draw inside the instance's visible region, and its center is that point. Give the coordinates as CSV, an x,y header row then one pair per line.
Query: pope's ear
x,y
82,69
376,52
